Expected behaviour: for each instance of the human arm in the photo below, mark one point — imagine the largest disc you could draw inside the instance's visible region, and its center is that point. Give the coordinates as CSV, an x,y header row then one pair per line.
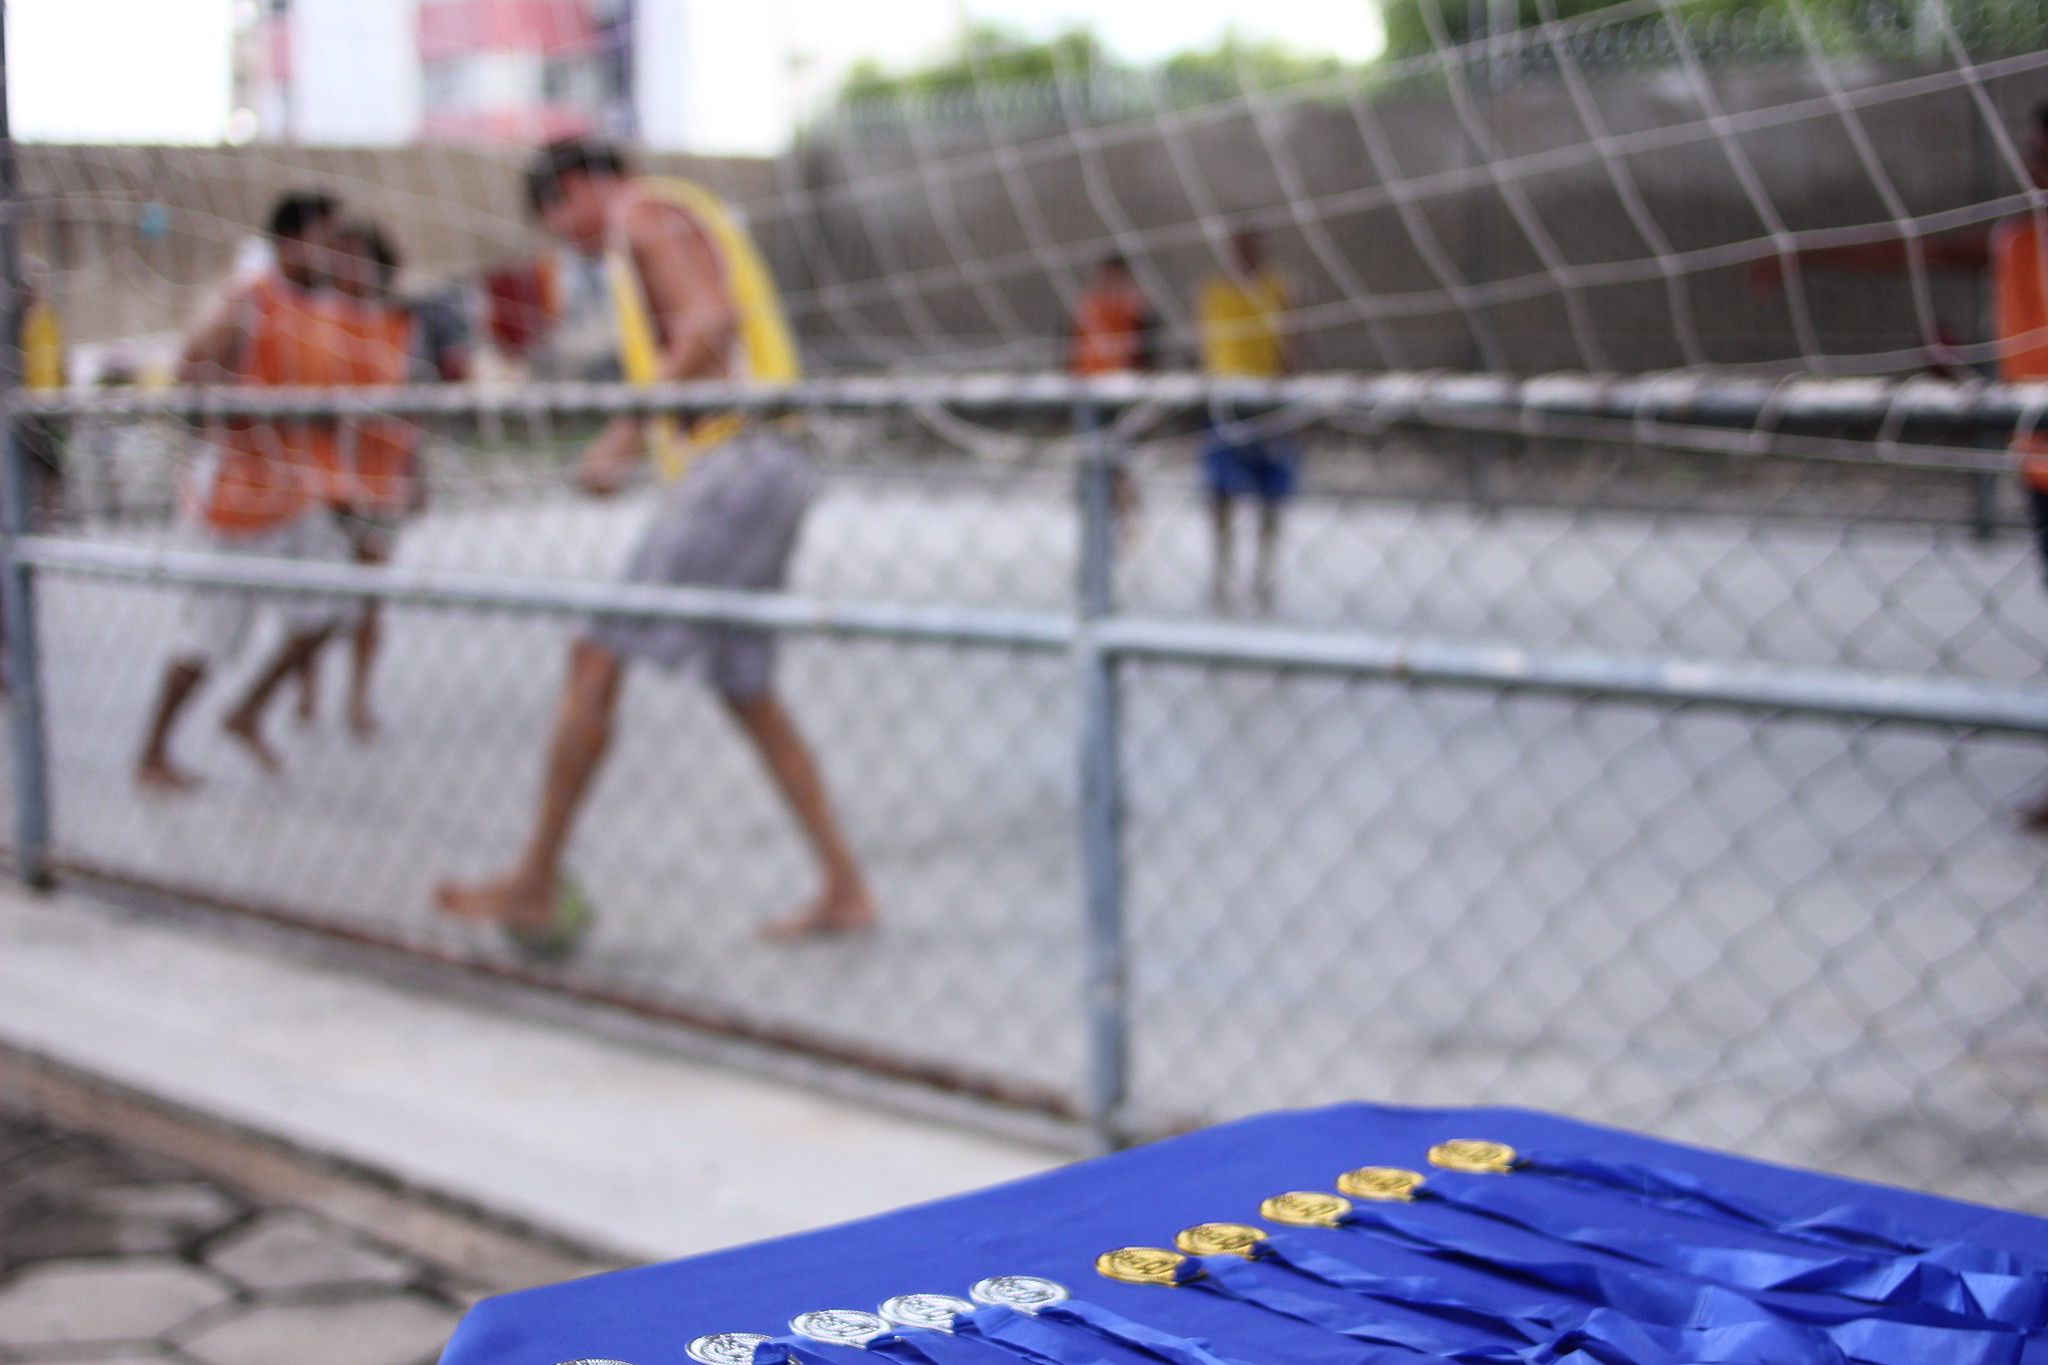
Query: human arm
x,y
212,351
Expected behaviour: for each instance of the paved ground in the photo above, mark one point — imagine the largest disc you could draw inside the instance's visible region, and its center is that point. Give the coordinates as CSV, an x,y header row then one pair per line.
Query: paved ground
x,y
131,1233
1813,941
621,1142
134,1259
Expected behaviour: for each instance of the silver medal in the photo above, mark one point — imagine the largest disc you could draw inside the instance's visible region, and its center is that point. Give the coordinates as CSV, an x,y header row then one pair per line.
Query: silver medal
x,y
725,1348
932,1312
838,1326
1025,1293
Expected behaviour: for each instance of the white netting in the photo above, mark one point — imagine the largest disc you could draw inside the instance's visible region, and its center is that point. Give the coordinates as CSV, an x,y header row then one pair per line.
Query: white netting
x,y
1642,186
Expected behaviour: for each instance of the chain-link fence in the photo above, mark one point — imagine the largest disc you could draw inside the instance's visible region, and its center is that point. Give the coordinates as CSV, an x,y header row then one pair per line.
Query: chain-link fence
x,y
1679,788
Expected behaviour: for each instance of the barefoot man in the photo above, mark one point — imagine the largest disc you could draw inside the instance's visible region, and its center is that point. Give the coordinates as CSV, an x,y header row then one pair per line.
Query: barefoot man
x,y
689,299
252,492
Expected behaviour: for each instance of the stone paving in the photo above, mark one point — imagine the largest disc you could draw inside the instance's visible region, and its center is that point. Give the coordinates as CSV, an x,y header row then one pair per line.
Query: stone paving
x,y
114,1255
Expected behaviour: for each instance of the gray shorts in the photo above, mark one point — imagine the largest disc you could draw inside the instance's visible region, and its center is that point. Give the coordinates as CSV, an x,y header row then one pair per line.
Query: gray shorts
x,y
217,621
730,522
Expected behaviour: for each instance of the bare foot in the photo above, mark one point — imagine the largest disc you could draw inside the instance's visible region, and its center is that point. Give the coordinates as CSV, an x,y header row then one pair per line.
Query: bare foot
x,y
159,774
513,900
839,909
246,729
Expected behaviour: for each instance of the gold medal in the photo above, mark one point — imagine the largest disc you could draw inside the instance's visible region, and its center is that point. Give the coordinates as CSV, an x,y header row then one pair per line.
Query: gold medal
x,y
1140,1265
1305,1209
1215,1239
1474,1155
1391,1183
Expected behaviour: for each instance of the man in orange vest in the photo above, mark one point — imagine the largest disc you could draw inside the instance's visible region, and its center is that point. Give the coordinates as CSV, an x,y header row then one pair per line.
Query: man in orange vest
x,y
374,481
1114,331
253,492
1114,328
731,520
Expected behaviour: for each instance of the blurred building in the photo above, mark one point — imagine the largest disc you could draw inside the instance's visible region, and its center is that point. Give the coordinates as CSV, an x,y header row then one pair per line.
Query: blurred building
x,y
381,72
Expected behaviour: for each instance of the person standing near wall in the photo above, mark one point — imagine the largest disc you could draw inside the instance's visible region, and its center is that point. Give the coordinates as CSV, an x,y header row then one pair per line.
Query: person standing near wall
x,y
1242,312
1113,331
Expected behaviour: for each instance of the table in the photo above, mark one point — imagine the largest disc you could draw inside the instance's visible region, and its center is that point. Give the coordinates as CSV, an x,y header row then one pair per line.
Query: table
x,y
1055,1224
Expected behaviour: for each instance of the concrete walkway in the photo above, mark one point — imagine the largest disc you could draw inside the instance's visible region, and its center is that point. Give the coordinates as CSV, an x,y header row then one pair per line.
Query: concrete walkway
x,y
621,1147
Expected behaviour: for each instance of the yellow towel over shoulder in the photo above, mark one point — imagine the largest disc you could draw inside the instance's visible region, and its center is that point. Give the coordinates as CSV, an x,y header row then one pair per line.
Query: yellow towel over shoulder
x,y
767,348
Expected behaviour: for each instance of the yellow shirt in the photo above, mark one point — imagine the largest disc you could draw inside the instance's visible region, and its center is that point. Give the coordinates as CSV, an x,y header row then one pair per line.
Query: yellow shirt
x,y
42,348
1240,323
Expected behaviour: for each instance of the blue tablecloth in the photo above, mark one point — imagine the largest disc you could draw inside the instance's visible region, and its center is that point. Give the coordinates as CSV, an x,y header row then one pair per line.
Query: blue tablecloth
x,y
1055,1224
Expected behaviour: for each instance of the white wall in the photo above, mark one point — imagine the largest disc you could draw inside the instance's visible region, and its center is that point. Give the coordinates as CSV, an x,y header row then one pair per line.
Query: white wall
x,y
356,72
661,73
710,77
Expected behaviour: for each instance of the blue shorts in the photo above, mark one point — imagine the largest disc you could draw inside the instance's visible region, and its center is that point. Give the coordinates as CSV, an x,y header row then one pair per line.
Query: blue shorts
x,y
1258,467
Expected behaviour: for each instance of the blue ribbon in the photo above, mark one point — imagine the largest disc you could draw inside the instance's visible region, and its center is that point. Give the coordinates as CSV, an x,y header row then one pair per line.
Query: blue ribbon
x,y
1854,1226
803,1351
1050,1335
1561,1328
1915,1334
1233,1277
912,1347
2017,1301
925,1347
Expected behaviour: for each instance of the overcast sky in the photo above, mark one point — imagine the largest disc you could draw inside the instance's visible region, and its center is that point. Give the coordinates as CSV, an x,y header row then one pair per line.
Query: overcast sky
x,y
157,70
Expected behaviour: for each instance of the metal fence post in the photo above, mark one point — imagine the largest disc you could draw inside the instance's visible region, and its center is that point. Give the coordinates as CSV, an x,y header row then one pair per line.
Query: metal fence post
x,y
17,582
1106,971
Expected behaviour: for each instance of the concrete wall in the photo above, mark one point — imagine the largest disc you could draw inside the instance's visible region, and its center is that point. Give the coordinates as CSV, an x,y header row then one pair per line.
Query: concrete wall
x,y
135,238
960,246
897,213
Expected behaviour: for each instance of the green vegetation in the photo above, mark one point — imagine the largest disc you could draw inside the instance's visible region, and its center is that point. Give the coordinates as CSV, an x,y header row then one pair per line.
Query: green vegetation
x,y
997,56
1408,24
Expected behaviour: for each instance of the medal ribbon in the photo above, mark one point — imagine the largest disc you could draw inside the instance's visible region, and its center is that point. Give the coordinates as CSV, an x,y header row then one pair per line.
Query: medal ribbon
x,y
2012,1301
1031,1332
1852,1226
1233,1277
918,1347
913,1347
1650,1295
1562,1328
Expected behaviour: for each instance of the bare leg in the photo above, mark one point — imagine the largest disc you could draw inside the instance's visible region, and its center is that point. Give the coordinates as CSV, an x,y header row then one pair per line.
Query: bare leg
x,y
583,732
369,638
245,722
1219,521
308,705
156,770
1268,552
369,635
843,903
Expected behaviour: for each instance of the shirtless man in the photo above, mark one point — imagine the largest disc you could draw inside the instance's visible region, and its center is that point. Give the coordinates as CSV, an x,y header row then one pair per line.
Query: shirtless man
x,y
730,521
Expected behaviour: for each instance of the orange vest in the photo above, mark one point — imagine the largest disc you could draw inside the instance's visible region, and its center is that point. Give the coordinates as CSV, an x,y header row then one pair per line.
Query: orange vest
x,y
264,473
2022,325
368,461
1108,332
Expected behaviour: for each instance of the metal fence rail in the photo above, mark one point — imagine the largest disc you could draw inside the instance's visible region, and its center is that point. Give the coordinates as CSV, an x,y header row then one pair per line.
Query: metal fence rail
x,y
1678,816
